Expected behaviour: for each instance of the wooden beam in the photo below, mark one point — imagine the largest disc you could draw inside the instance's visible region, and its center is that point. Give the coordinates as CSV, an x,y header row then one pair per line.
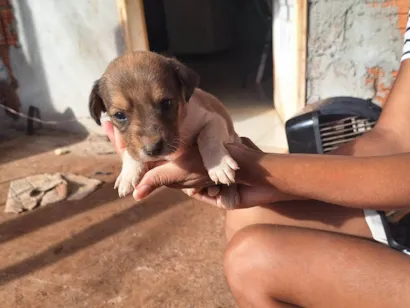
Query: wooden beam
x,y
289,56
301,52
132,21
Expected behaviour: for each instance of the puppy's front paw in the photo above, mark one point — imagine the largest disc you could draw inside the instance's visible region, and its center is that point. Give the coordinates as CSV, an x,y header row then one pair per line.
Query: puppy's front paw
x,y
126,182
130,175
224,172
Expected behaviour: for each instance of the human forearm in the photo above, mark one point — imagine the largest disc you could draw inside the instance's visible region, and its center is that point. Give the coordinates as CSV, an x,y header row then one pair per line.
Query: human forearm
x,y
372,182
387,138
377,142
396,110
374,143
376,182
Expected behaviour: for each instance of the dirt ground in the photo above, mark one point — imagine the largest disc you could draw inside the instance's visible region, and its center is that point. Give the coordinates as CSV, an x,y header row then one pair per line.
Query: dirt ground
x,y
104,251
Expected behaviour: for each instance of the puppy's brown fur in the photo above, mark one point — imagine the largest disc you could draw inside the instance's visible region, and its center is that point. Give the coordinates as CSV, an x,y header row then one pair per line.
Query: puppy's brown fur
x,y
137,84
154,100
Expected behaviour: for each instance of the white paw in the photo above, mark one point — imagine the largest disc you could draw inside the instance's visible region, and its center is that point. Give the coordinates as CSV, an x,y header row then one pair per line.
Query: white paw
x,y
126,182
224,172
130,175
229,197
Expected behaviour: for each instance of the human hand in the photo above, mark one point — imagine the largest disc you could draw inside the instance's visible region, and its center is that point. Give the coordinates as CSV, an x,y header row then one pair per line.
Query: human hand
x,y
249,196
188,171
114,135
252,188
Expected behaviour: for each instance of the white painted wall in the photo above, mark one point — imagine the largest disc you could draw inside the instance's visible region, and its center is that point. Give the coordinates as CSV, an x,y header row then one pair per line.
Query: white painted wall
x,y
66,46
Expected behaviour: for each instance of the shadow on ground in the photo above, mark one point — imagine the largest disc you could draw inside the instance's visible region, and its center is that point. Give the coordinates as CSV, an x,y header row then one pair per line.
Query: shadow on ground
x,y
165,251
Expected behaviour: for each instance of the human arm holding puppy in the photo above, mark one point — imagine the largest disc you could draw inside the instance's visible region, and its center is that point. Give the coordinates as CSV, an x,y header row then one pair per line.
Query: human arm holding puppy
x,y
378,182
373,171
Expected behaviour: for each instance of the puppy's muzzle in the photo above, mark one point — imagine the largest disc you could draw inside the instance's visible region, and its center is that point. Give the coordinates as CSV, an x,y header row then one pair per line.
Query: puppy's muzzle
x,y
154,149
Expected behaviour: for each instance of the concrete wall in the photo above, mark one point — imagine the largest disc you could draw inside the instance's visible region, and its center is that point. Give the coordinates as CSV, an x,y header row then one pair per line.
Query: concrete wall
x,y
354,47
66,45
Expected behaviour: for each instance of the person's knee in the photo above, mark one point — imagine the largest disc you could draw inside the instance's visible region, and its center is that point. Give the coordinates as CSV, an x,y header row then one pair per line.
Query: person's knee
x,y
236,254
238,219
246,256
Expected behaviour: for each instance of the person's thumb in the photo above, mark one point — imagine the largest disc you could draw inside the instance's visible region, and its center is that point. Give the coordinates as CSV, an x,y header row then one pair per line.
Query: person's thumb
x,y
153,179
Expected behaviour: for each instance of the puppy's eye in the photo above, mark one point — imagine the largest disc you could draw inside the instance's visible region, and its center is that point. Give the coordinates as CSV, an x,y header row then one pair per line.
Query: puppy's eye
x,y
166,104
120,116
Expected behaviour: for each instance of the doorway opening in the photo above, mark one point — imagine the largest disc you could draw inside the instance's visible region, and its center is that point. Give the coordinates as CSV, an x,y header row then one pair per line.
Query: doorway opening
x,y
229,44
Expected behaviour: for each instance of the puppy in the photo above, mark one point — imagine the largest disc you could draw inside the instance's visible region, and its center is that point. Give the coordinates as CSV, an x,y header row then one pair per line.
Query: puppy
x,y
156,105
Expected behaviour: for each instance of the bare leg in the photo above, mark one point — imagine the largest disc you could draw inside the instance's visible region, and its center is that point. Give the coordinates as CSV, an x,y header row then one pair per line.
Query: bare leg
x,y
307,214
276,266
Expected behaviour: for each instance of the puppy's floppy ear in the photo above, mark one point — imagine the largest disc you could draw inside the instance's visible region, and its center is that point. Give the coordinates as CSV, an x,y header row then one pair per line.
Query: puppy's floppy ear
x,y
96,104
188,78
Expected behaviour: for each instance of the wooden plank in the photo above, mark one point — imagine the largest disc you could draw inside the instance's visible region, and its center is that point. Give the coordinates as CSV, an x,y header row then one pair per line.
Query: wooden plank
x,y
289,56
301,52
132,21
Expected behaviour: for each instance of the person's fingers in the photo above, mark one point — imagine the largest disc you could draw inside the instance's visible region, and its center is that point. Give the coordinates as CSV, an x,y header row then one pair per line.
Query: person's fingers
x,y
168,174
114,135
109,130
153,179
119,142
143,191
249,197
253,196
204,197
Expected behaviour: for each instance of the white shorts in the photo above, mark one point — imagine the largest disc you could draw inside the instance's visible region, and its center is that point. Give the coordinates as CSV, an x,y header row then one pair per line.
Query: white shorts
x,y
375,223
378,228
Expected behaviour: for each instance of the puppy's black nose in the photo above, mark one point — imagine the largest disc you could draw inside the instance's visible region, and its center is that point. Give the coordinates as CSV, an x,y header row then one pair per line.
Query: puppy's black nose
x,y
154,149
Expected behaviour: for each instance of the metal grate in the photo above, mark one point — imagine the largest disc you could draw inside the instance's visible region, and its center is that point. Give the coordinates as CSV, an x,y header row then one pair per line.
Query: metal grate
x,y
335,133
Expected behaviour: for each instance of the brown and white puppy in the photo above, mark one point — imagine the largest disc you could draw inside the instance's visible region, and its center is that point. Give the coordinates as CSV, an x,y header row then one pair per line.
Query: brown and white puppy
x,y
155,104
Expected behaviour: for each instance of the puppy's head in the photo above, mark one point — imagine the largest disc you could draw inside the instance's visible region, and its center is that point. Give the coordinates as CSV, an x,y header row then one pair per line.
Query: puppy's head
x,y
145,95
